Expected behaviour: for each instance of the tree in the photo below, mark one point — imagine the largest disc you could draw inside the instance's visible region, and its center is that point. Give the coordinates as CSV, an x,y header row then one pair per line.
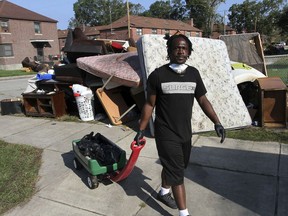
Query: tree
x,y
203,13
136,9
282,21
98,12
243,16
160,9
175,10
179,10
256,16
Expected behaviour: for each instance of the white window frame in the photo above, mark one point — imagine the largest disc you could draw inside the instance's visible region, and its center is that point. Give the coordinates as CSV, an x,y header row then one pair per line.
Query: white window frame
x,y
6,50
37,27
188,34
4,25
139,31
153,31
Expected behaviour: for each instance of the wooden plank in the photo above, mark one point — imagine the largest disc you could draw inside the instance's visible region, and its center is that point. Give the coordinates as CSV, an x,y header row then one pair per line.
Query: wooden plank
x,y
113,104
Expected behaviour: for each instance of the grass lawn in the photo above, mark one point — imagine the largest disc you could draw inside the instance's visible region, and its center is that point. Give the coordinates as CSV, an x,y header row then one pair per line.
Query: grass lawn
x,y
7,73
19,166
279,69
258,134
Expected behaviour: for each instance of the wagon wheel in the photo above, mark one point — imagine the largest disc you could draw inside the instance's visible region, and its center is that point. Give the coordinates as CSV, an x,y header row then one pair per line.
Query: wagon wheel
x,y
77,164
92,182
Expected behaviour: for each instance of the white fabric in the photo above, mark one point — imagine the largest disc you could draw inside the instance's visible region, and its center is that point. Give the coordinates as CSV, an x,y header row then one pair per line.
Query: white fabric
x,y
164,191
178,68
183,212
31,85
211,58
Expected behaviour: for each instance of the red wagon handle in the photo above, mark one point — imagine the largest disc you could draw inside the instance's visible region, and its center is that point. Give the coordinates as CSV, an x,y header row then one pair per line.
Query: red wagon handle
x,y
131,162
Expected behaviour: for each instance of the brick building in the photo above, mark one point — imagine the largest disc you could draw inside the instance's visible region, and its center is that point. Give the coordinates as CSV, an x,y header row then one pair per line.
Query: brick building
x,y
24,33
139,26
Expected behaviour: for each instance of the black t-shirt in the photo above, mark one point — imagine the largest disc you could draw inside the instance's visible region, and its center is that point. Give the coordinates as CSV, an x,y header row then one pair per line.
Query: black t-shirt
x,y
174,100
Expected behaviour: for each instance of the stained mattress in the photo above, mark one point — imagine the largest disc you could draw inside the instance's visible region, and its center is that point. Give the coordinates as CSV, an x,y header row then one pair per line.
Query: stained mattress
x,y
124,67
211,58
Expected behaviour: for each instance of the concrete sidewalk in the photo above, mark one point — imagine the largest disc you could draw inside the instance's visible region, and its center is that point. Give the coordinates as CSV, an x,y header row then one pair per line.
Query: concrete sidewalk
x,y
237,178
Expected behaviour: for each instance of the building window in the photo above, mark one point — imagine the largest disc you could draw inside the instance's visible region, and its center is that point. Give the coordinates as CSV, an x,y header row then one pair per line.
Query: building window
x,y
37,27
154,31
197,34
139,31
167,32
6,50
188,34
4,26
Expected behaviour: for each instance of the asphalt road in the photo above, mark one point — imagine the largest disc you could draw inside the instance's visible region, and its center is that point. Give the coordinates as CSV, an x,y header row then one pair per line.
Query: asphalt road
x,y
13,87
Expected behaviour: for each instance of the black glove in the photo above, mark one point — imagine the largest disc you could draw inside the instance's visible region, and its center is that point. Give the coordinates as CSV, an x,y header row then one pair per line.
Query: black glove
x,y
139,136
220,131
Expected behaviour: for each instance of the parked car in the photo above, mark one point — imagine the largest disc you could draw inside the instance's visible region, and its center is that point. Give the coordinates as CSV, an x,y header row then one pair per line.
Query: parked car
x,y
275,49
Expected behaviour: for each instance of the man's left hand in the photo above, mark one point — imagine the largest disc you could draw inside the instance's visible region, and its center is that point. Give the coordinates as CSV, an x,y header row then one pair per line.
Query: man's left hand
x,y
220,132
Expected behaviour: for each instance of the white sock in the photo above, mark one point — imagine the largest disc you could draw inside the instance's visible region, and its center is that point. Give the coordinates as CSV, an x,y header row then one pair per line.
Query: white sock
x,y
164,191
183,212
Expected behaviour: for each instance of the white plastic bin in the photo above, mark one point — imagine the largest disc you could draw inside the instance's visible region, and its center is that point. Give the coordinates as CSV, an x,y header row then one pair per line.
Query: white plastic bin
x,y
85,102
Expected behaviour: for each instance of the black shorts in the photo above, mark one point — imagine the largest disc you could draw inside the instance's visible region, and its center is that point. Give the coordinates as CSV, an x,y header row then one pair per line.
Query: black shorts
x,y
174,157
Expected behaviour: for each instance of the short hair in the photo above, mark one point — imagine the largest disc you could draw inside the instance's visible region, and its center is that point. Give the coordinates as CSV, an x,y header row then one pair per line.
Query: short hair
x,y
176,36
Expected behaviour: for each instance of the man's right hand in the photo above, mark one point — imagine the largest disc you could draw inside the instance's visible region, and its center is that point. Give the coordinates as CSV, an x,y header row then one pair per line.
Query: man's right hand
x,y
139,136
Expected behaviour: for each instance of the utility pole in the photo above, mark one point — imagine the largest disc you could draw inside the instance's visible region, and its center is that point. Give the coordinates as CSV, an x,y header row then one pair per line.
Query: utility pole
x,y
111,29
128,17
224,20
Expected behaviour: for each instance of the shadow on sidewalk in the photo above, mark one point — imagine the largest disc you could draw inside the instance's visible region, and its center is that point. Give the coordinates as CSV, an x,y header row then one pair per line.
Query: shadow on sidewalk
x,y
134,185
248,178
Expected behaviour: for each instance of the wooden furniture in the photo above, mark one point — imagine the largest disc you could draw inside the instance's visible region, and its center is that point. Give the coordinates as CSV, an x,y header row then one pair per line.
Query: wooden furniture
x,y
115,105
46,105
273,102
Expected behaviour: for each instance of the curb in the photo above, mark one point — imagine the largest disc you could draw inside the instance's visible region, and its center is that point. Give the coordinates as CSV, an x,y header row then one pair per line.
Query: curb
x,y
16,77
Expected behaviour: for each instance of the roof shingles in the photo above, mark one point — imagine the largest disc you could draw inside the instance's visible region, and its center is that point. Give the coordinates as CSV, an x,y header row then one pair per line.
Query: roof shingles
x,y
11,11
150,22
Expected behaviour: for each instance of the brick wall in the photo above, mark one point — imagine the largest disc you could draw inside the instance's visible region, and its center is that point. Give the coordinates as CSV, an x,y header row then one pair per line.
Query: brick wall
x,y
20,34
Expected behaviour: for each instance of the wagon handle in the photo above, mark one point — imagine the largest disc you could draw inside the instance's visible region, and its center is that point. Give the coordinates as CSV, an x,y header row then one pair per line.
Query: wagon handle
x,y
125,172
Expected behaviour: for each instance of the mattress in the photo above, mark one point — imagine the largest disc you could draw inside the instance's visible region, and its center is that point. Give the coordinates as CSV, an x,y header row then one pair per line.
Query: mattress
x,y
124,67
211,58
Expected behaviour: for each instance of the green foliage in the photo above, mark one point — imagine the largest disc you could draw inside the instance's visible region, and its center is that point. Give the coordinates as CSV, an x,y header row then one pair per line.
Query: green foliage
x,y
282,21
136,9
174,10
101,12
243,16
258,134
8,73
179,10
160,9
279,69
203,14
199,11
19,166
256,16
98,12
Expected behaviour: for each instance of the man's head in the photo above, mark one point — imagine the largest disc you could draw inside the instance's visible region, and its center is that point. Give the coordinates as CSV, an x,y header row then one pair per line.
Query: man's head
x,y
179,48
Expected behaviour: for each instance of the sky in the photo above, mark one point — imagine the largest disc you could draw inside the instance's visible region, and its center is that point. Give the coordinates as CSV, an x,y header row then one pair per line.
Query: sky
x,y
62,10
